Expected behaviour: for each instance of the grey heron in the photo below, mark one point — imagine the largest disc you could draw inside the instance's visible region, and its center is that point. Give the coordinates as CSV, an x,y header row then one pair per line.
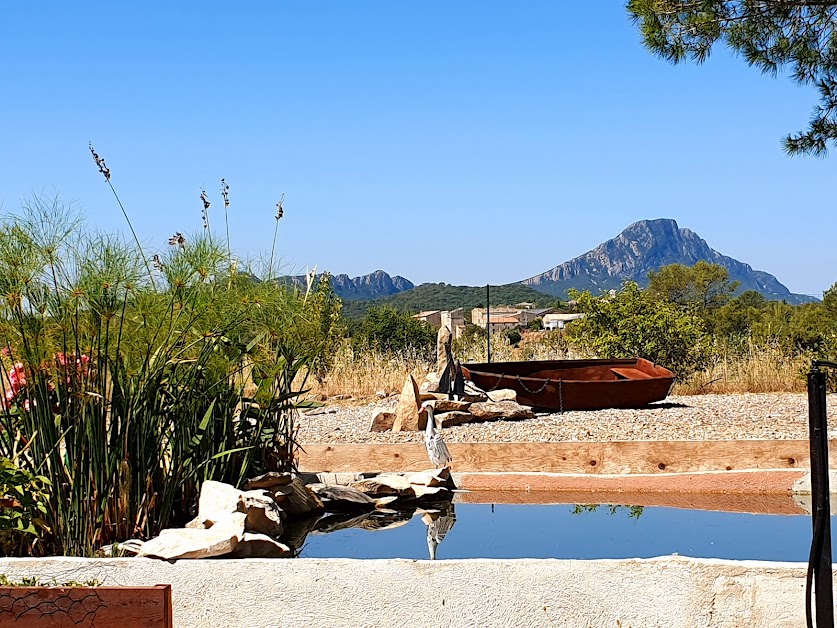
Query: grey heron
x,y
437,451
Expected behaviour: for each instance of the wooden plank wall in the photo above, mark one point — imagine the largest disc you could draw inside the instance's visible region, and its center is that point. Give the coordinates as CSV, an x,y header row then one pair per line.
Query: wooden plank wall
x,y
566,457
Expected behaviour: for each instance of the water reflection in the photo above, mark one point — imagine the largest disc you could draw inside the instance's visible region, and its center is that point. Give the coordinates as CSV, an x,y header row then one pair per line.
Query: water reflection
x,y
438,516
634,512
553,531
438,524
372,520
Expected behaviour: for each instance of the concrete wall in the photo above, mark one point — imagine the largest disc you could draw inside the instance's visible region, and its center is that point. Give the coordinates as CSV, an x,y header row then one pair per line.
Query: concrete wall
x,y
668,592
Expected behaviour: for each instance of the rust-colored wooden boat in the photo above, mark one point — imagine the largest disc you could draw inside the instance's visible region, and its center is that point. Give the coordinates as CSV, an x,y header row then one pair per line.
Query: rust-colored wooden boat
x,y
576,384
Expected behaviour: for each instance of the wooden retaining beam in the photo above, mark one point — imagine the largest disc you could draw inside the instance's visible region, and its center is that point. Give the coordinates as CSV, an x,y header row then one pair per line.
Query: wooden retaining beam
x,y
619,457
729,491
768,504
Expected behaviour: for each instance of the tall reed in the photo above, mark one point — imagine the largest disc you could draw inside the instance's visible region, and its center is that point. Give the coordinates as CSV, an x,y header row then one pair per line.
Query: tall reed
x,y
127,397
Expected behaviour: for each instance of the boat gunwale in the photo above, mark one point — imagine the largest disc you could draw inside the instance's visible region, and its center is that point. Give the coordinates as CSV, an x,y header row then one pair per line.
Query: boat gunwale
x,y
672,376
575,381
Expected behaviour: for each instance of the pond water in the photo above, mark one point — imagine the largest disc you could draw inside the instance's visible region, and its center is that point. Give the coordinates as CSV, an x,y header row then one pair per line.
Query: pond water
x,y
566,531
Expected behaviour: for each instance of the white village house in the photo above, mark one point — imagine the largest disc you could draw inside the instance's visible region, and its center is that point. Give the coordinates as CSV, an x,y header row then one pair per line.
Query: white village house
x,y
559,321
452,319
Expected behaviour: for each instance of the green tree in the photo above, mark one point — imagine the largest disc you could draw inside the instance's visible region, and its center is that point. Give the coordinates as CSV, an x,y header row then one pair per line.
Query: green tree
x,y
804,328
633,323
811,329
387,329
703,287
829,301
737,317
513,336
751,298
771,35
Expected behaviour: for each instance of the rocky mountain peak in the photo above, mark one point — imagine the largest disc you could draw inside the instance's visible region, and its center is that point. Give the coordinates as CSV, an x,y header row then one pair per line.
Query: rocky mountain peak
x,y
376,284
644,246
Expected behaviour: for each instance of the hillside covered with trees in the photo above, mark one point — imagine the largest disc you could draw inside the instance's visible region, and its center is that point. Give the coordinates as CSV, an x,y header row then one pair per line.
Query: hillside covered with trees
x,y
442,296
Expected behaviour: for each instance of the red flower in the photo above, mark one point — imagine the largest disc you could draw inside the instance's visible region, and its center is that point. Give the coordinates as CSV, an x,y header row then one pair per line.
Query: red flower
x,y
17,376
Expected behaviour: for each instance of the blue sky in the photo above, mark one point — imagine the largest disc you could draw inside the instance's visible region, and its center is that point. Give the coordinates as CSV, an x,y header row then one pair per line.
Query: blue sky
x,y
462,142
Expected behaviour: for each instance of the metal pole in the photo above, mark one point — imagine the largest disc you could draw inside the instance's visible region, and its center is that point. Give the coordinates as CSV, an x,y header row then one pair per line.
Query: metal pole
x,y
821,510
488,321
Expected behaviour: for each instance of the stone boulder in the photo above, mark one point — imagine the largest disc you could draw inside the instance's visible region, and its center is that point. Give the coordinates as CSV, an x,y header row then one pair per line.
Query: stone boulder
x,y
349,498
431,477
254,545
430,383
198,524
422,491
431,482
218,500
263,513
384,484
382,420
268,481
297,500
219,539
445,370
449,419
488,410
409,415
340,493
450,405
405,486
503,394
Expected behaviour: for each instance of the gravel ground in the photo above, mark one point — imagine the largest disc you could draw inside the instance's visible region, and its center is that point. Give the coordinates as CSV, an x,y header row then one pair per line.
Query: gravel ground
x,y
703,417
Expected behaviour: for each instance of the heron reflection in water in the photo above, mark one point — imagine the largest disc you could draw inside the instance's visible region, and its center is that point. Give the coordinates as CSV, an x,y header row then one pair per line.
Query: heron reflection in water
x,y
438,523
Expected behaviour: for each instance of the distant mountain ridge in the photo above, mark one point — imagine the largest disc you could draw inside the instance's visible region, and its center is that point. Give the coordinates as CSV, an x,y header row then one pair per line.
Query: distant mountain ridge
x,y
647,245
441,296
372,286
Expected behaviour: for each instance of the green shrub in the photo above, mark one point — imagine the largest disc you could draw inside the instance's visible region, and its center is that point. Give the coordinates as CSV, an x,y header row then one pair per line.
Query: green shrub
x,y
23,509
635,324
513,336
388,330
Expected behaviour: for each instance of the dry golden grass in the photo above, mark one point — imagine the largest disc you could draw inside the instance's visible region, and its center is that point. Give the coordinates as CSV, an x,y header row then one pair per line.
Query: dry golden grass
x,y
363,375
755,369
533,346
749,369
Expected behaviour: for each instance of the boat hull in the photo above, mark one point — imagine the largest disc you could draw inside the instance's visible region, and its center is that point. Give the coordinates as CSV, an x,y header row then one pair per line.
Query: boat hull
x,y
576,384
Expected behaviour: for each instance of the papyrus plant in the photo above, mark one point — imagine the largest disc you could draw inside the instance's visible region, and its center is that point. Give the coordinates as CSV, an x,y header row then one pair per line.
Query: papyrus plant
x,y
136,388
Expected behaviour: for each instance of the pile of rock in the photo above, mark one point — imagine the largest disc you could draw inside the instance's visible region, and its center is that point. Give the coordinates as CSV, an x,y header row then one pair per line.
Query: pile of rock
x,y
271,517
410,415
475,405
238,524
387,490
